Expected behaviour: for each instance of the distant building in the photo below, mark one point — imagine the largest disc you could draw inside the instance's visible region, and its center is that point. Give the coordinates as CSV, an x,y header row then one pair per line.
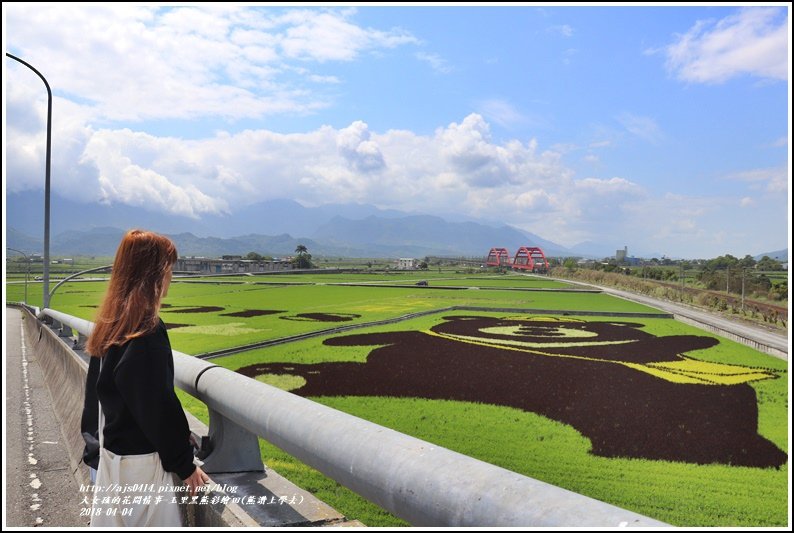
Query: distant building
x,y
203,265
406,263
620,255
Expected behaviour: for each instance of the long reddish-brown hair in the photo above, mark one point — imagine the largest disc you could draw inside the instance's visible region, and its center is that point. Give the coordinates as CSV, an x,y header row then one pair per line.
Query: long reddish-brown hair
x,y
131,305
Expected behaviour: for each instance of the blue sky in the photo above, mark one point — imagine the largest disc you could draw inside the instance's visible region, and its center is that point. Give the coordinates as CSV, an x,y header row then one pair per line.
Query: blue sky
x,y
660,128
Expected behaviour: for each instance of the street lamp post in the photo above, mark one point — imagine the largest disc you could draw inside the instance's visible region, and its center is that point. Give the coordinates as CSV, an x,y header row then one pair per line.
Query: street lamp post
x,y
27,273
46,298
68,278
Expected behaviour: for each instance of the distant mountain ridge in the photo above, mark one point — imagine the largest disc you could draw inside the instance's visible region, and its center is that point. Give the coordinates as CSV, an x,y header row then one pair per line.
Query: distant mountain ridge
x,y
429,232
274,227
780,255
103,241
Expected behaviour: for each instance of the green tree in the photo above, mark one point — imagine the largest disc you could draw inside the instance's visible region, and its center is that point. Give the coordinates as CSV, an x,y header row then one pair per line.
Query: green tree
x,y
303,259
767,263
253,256
747,261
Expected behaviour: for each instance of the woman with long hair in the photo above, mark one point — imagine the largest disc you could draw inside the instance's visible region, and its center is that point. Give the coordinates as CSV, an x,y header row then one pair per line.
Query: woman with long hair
x,y
143,433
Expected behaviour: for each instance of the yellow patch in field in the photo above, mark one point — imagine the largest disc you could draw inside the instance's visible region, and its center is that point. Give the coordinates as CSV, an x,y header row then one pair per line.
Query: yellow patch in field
x,y
704,372
541,318
228,330
285,382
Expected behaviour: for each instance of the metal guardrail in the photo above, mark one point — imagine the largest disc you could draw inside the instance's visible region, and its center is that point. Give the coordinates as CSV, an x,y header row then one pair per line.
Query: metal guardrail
x,y
422,483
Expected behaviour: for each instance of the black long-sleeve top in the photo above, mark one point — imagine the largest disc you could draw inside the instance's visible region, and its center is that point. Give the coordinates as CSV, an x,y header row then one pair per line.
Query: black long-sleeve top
x,y
142,412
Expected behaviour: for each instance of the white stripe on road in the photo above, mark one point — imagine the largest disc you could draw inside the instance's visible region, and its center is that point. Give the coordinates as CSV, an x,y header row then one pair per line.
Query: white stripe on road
x,y
35,482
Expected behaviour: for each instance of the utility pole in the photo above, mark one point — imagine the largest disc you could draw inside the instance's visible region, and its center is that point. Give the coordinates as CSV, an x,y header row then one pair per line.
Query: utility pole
x,y
743,290
682,280
727,280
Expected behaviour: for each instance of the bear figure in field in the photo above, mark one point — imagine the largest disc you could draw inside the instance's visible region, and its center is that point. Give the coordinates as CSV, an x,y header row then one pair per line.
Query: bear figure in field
x,y
632,394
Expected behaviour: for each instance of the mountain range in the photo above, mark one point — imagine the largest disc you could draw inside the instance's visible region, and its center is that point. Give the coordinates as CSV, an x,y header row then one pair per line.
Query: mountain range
x,y
273,227
276,227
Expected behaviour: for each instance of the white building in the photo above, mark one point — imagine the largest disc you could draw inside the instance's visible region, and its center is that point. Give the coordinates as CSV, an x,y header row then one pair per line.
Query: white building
x,y
406,263
203,265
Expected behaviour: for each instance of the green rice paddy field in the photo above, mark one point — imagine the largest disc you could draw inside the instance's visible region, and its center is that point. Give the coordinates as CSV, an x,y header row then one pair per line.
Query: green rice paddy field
x,y
680,493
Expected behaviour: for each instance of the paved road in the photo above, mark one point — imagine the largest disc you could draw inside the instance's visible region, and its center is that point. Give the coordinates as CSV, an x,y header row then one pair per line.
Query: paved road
x,y
775,340
40,488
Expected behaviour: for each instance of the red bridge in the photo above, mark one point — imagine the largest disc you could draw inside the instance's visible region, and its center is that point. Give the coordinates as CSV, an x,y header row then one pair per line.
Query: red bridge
x,y
530,258
498,257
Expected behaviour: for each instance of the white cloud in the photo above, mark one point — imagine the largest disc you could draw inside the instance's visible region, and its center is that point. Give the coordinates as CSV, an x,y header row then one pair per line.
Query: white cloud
x,y
568,55
675,221
772,180
330,37
355,146
601,144
467,148
746,202
563,29
26,119
324,79
644,127
438,63
782,142
753,41
612,185
458,168
502,112
146,62
125,161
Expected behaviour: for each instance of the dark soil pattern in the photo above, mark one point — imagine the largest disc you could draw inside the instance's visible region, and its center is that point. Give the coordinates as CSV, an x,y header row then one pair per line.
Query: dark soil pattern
x,y
322,317
568,370
206,309
247,313
174,326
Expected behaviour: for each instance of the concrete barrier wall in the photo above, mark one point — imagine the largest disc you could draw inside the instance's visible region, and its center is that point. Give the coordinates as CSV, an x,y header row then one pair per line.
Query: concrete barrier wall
x,y
761,347
65,376
65,373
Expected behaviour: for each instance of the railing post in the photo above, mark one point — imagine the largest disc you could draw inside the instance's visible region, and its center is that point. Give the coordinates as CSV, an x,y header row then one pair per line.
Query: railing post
x,y
231,448
81,340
